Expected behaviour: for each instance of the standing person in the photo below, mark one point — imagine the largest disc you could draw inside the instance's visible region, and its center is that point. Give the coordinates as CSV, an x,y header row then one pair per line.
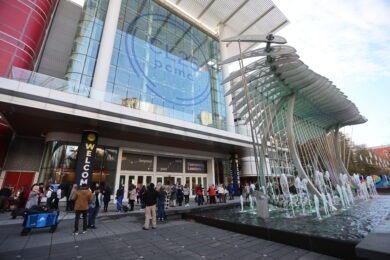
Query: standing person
x,y
150,196
41,192
186,193
199,193
82,199
143,190
180,195
51,195
212,194
106,197
23,196
221,193
72,197
173,196
32,201
94,206
132,196
57,197
33,197
231,191
119,198
138,191
67,189
161,204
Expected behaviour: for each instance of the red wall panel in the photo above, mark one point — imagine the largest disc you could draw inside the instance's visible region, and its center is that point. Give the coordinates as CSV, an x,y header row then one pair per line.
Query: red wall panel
x,y
22,29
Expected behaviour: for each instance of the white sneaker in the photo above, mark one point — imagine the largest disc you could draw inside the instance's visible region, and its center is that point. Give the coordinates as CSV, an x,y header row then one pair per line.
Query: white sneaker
x,y
75,233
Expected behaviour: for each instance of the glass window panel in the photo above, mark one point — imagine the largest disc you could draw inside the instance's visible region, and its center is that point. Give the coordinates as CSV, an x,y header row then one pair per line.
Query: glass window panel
x,y
137,162
169,164
196,166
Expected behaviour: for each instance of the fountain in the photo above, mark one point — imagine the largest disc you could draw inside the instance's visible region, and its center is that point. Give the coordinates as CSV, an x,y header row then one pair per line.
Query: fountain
x,y
317,206
288,143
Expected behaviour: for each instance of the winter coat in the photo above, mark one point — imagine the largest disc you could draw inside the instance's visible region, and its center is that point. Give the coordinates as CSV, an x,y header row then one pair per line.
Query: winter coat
x,y
150,197
32,199
93,202
132,194
82,199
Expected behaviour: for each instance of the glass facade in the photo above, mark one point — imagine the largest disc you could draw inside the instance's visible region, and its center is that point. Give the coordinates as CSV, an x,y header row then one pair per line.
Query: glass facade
x,y
85,49
59,164
160,63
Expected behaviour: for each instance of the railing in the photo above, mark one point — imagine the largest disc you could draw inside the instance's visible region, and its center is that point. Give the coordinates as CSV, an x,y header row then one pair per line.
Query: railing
x,y
135,100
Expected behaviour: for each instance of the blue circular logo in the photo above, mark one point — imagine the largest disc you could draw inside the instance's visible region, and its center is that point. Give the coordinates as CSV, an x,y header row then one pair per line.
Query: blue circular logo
x,y
164,66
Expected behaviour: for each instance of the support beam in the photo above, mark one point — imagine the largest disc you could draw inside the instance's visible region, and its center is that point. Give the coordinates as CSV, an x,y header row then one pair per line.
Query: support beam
x,y
293,150
340,163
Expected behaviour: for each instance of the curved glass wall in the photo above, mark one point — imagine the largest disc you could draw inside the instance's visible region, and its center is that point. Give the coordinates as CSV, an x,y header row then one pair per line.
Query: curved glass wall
x,y
160,63
59,164
82,61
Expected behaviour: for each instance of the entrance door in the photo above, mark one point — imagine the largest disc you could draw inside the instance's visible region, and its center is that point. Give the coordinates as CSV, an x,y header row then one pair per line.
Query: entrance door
x,y
169,181
18,179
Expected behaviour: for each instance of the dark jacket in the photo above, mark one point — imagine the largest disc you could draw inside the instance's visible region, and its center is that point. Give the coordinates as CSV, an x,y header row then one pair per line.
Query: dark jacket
x,y
150,196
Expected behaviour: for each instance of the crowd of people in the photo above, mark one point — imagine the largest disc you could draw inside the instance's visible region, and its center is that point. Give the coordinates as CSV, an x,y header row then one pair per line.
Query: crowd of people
x,y
86,201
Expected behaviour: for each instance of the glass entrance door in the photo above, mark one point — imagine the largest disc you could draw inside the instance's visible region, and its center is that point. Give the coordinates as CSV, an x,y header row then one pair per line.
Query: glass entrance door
x,y
169,181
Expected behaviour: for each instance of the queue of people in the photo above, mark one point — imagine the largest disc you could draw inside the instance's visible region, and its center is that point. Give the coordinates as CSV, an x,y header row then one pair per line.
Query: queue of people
x,y
86,201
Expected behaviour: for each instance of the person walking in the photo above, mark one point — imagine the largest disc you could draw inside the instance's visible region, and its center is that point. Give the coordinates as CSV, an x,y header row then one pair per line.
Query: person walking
x,y
83,198
150,197
94,206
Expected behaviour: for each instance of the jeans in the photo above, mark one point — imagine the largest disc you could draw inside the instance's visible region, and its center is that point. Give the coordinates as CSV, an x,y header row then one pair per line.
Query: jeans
x,y
200,200
76,220
106,205
92,214
119,200
186,199
161,210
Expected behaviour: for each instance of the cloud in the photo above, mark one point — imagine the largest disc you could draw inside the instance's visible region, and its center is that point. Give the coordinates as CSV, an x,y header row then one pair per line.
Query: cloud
x,y
348,43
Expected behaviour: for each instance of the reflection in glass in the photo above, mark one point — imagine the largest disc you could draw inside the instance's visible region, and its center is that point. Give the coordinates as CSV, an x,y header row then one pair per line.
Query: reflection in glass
x,y
59,164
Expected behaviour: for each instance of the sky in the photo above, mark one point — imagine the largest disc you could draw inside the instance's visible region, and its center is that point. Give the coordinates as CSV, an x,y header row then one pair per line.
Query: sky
x,y
347,42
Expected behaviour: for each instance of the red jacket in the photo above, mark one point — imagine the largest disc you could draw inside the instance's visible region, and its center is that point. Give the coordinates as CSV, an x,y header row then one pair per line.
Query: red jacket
x,y
211,191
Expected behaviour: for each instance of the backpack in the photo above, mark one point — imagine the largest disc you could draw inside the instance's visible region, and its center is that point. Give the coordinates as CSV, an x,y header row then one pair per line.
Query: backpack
x,y
53,195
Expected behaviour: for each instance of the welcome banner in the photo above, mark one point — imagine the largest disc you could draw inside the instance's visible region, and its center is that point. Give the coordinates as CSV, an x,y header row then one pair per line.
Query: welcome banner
x,y
86,158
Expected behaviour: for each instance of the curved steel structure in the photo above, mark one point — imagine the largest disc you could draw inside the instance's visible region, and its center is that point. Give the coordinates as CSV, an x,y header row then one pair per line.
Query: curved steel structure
x,y
295,112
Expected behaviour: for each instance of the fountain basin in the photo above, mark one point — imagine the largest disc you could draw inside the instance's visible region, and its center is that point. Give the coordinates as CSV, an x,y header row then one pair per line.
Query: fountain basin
x,y
336,235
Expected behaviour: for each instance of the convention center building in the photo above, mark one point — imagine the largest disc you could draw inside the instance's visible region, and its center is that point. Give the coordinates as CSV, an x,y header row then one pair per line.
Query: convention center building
x,y
136,81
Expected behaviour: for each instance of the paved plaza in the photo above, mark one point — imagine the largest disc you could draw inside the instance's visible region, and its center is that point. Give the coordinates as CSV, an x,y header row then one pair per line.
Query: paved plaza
x,y
120,236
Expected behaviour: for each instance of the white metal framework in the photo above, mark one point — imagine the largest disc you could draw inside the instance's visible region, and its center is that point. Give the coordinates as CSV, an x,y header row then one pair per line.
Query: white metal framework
x,y
294,115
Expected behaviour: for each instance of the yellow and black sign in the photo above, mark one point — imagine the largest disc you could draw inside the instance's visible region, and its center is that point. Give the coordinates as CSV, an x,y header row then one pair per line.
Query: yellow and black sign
x,y
86,158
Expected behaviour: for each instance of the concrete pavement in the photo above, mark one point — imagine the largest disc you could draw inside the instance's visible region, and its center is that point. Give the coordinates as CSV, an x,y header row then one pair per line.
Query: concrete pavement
x,y
120,236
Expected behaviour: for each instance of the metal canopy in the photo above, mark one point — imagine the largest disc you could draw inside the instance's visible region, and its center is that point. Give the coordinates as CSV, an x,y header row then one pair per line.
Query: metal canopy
x,y
238,17
279,75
